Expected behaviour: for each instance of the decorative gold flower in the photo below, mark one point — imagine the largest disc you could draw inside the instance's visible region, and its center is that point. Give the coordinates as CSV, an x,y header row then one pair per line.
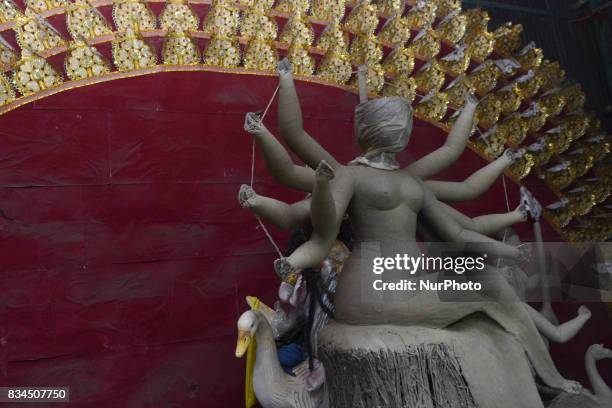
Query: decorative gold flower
x,y
559,176
480,44
292,6
433,106
430,77
559,213
596,146
522,166
394,31
508,38
529,84
297,30
514,129
260,54
36,35
491,144
574,96
477,20
85,21
38,6
178,16
456,62
257,23
542,150
421,15
510,98
365,49
401,86
507,67
333,37
458,90
133,14
180,49
84,61
399,62
34,74
335,66
222,52
553,102
488,111
550,74
130,51
328,10
484,77
9,11
375,78
426,44
452,28
7,93
530,57
535,117
576,124
302,61
8,56
363,19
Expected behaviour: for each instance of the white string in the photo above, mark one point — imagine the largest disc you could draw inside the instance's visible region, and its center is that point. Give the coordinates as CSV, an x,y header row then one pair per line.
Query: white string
x,y
261,224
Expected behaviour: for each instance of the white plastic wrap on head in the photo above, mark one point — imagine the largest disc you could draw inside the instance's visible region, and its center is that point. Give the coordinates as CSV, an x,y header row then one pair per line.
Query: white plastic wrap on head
x,y
382,125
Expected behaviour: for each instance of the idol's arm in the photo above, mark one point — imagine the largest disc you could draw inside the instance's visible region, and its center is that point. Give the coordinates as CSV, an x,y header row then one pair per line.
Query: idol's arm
x,y
450,230
473,186
277,158
600,388
454,146
290,122
277,213
486,224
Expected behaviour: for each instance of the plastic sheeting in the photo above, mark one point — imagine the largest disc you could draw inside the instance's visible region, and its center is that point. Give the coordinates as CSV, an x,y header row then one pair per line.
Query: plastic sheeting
x,y
124,256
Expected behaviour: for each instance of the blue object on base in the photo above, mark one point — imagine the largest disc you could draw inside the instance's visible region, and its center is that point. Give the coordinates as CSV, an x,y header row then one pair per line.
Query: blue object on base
x,y
290,355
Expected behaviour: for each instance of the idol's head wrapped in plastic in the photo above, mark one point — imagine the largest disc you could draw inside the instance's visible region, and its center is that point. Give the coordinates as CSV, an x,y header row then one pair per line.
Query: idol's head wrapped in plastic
x,y
383,125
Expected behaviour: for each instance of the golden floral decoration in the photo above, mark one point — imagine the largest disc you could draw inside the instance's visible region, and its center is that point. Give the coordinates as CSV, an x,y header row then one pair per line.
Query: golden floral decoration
x,y
484,77
430,77
9,11
594,125
596,146
446,7
433,106
456,62
477,20
363,19
222,52
375,79
581,201
8,55
576,124
480,44
333,37
35,34
514,129
260,54
542,150
401,86
38,6
559,213
399,62
180,49
336,66
133,15
255,23
421,15
508,67
328,10
553,102
84,61
561,138
599,188
33,74
508,38
491,144
426,44
452,28
292,6
581,160
223,19
559,176
130,51
458,90
575,97
297,30
550,74
302,61
7,93
529,84
530,57
365,49
510,98
178,16
488,111
535,117
85,21
522,166
394,31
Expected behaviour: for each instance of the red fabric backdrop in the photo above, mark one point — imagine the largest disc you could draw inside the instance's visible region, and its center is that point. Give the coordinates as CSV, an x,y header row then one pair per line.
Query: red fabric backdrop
x,y
125,258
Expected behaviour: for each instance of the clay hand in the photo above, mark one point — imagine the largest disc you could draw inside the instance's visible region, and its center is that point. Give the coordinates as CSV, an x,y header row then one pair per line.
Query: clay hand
x,y
324,171
599,352
471,99
252,123
284,67
246,196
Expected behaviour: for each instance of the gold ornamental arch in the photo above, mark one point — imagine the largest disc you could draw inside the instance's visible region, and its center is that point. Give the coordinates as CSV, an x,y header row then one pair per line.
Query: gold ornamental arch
x,y
430,52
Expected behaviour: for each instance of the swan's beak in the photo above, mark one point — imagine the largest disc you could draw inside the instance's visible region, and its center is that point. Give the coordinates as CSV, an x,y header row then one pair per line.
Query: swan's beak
x,y
244,339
